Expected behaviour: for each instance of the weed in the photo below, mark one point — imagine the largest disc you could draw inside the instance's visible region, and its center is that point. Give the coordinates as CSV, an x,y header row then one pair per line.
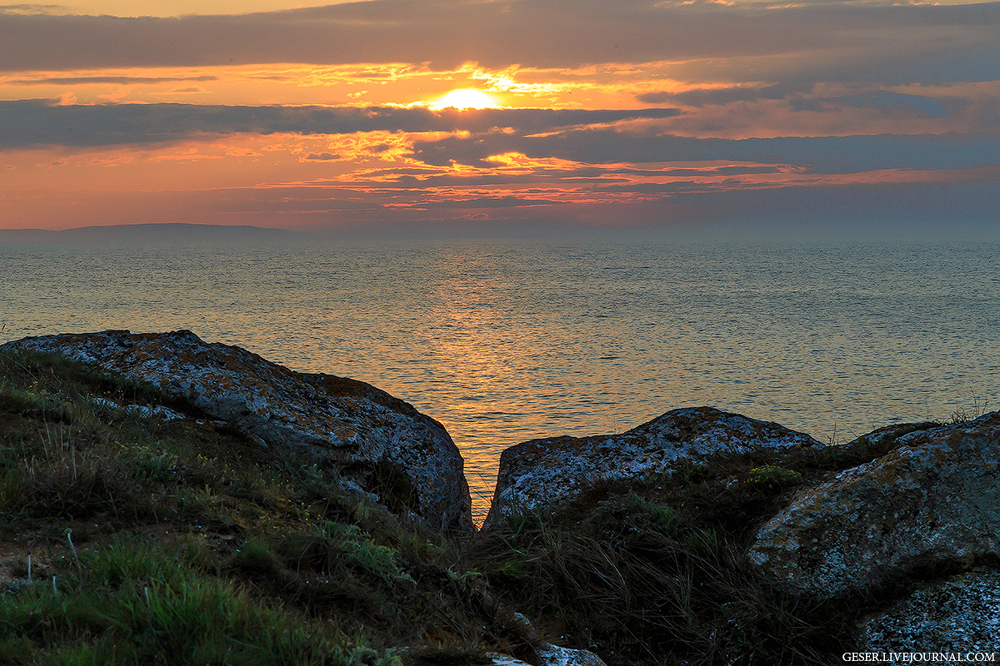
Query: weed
x,y
961,415
691,472
191,544
255,558
772,478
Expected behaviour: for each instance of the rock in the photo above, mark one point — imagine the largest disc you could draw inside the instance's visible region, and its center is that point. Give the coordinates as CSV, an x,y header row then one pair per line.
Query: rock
x,y
958,615
546,472
383,443
932,502
145,411
553,656
888,435
559,656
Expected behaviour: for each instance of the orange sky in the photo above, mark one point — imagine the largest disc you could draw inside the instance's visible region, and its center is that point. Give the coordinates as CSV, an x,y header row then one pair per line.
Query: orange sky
x,y
645,113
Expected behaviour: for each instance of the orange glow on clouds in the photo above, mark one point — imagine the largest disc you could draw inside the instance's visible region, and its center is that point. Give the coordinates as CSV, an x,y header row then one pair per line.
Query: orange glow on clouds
x,y
516,118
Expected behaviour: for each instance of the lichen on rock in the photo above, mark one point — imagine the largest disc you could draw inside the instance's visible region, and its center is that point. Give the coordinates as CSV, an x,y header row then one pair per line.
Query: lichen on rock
x,y
382,443
546,472
959,614
932,502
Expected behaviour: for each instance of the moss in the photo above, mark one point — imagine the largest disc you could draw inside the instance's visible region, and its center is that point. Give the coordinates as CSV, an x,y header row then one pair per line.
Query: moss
x,y
772,478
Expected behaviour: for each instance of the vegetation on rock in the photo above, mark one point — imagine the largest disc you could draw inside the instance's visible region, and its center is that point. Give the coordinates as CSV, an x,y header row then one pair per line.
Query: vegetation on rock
x,y
127,538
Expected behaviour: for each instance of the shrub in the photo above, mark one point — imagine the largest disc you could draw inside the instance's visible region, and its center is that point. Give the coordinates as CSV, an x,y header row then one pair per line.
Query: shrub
x,y
772,478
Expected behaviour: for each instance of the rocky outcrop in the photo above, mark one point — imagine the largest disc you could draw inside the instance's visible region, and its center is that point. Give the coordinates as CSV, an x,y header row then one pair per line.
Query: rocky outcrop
x,y
546,472
554,656
958,615
550,655
932,502
381,442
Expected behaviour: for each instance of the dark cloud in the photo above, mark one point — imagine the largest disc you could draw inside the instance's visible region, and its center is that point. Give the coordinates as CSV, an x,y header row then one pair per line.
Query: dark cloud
x,y
655,97
871,211
700,98
925,106
795,94
608,178
488,202
121,80
322,157
848,154
555,33
34,122
864,209
32,9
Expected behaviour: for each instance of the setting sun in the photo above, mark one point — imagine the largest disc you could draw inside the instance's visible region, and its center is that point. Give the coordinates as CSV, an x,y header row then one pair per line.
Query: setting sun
x,y
419,332
466,98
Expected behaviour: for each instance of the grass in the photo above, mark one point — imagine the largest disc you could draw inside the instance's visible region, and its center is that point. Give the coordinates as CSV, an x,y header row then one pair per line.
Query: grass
x,y
653,571
154,541
962,415
176,542
638,585
134,602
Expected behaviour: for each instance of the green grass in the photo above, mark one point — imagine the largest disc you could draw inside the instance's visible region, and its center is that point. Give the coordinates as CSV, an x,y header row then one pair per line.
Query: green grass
x,y
188,543
638,585
134,602
653,571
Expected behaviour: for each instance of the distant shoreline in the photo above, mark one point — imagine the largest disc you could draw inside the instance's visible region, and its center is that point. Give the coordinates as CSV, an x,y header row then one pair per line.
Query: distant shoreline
x,y
167,232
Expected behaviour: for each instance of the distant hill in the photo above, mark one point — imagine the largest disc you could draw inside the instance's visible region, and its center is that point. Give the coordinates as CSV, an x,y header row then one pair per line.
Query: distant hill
x,y
148,233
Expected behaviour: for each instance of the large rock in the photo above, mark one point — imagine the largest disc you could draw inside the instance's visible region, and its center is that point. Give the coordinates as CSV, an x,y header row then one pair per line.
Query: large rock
x,y
932,502
554,656
958,615
373,437
546,472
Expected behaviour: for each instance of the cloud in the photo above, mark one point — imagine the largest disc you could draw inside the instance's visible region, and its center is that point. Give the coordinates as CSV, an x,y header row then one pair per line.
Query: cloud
x,y
940,209
322,157
33,9
568,175
119,80
27,123
701,97
921,42
849,154
926,106
578,136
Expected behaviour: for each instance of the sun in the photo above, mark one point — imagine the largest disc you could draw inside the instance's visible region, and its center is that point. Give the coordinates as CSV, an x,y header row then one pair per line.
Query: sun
x,y
466,98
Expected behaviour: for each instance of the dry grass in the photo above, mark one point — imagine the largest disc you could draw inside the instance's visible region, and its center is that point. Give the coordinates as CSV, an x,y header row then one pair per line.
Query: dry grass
x,y
654,572
294,569
149,538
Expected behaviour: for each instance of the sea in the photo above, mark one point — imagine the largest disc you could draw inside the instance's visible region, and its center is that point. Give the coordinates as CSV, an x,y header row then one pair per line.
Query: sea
x,y
503,341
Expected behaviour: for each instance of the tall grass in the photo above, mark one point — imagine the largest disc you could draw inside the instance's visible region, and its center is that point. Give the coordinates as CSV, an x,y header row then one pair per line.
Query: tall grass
x,y
191,544
188,543
133,603
653,571
637,586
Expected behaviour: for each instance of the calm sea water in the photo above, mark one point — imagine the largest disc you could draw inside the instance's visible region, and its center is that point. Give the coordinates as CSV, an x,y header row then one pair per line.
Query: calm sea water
x,y
506,341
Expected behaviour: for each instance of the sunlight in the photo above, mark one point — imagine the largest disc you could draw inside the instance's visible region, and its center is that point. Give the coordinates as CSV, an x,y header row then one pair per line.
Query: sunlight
x,y
466,98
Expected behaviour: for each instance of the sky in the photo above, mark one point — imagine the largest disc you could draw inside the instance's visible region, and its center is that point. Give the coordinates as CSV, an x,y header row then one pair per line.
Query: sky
x,y
816,117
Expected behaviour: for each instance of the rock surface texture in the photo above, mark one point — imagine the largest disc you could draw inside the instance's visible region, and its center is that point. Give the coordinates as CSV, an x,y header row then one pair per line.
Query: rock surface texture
x,y
545,472
933,501
957,615
554,656
375,439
